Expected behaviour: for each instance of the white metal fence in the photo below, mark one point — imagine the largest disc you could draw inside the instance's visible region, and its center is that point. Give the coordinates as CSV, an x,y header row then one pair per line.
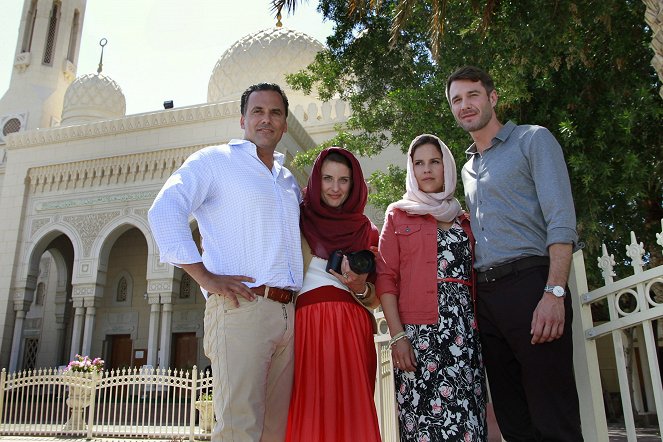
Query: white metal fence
x,y
147,403
155,403
633,306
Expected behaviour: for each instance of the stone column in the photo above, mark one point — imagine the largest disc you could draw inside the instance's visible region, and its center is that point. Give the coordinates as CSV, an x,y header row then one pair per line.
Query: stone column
x,y
21,307
166,327
79,312
90,313
153,337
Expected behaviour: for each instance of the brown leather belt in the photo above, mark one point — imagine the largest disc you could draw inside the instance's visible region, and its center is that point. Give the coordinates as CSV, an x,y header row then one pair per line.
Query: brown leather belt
x,y
274,293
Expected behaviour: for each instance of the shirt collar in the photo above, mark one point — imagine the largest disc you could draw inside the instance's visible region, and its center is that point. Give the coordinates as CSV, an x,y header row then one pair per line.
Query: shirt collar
x,y
279,158
502,136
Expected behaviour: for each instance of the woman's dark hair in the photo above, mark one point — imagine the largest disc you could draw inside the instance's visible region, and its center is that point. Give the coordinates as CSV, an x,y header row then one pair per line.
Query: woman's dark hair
x,y
425,139
338,158
262,87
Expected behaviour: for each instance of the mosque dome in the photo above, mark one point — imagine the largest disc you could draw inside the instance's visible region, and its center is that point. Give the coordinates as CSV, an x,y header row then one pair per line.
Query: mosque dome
x,y
93,97
264,56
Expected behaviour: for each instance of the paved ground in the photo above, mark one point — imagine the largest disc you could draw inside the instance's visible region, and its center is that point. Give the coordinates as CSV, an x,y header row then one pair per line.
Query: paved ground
x,y
618,434
615,433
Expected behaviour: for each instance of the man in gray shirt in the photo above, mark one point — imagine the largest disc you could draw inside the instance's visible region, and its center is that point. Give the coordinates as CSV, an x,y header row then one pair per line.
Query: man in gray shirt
x,y
518,193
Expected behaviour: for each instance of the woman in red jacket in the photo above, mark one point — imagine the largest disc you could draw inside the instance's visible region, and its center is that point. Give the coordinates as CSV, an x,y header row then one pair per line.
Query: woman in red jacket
x,y
425,285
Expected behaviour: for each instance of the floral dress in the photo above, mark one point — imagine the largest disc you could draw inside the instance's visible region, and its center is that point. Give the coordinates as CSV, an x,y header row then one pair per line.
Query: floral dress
x,y
444,398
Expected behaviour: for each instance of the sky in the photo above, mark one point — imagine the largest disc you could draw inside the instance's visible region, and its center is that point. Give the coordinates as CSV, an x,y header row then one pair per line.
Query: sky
x,y
162,50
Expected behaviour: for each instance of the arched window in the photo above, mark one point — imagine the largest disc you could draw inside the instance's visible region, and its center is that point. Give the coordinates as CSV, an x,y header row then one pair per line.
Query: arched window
x,y
73,38
123,287
41,294
185,286
122,290
12,125
29,27
51,37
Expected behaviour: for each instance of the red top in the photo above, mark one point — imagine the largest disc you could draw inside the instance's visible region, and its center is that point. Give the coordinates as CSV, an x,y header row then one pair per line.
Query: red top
x,y
407,266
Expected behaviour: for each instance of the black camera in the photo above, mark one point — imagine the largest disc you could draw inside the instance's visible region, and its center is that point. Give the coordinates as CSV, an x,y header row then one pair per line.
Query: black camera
x,y
362,261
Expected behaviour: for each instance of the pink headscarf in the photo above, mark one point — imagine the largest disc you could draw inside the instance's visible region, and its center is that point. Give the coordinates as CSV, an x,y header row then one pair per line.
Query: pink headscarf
x,y
443,206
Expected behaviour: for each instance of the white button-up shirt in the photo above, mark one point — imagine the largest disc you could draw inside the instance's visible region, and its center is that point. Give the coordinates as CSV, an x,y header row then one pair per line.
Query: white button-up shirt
x,y
248,216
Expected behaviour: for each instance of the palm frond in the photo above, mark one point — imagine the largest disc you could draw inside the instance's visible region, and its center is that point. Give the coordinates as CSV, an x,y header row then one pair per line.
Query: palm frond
x,y
288,5
403,11
439,10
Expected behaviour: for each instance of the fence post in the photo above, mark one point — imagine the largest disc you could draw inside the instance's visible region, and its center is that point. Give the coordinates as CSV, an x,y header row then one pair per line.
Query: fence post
x,y
192,411
92,408
3,379
585,358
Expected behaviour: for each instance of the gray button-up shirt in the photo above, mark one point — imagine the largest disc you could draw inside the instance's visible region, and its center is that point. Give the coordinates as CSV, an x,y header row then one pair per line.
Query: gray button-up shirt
x,y
519,196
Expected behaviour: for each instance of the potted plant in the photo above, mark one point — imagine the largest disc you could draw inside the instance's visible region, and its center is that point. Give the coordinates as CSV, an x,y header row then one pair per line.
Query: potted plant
x,y
205,406
81,375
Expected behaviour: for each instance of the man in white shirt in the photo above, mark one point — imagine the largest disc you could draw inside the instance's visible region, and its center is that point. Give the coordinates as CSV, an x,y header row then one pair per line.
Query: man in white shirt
x,y
247,208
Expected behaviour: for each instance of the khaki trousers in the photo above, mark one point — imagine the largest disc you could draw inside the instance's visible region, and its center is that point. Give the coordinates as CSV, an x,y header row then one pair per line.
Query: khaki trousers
x,y
251,348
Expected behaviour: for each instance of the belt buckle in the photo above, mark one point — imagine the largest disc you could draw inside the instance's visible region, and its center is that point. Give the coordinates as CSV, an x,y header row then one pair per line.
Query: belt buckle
x,y
489,271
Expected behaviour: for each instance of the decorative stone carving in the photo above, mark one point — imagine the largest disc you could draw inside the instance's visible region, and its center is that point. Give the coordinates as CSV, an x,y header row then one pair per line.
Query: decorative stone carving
x,y
32,324
80,291
187,320
106,199
148,166
266,55
89,226
69,70
120,322
93,97
141,212
132,123
22,61
38,224
160,285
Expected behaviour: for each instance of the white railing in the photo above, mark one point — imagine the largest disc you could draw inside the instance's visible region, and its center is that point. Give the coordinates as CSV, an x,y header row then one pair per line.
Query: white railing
x,y
385,395
632,307
145,403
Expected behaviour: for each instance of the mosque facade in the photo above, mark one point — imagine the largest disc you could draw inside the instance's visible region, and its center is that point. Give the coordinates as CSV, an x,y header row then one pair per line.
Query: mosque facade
x,y
79,268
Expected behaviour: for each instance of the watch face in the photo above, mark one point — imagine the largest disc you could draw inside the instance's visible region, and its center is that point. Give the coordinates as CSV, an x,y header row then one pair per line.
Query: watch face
x,y
558,291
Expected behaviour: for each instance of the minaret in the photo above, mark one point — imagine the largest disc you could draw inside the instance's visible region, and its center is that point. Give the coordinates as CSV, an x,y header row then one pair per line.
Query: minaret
x,y
44,65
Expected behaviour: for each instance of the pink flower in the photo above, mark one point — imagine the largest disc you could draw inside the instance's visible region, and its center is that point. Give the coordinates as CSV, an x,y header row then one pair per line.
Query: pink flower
x,y
467,437
446,391
431,366
436,406
86,365
459,340
423,345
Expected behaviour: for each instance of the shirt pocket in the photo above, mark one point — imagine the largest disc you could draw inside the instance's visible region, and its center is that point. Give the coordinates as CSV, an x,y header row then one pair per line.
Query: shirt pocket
x,y
409,239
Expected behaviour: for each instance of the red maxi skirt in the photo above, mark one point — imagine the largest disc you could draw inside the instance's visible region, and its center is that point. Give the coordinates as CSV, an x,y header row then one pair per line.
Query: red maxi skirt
x,y
335,368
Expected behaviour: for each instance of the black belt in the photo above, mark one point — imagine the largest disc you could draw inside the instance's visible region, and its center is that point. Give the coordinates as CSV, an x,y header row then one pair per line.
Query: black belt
x,y
500,271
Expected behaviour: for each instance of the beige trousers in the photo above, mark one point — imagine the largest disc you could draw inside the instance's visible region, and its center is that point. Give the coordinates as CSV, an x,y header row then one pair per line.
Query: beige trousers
x,y
252,352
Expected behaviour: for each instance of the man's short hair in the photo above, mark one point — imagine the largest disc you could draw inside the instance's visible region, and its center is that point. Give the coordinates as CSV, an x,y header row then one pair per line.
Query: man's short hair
x,y
262,87
471,73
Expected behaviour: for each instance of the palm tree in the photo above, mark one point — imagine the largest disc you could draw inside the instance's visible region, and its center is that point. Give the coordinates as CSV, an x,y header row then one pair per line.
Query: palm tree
x,y
437,8
404,9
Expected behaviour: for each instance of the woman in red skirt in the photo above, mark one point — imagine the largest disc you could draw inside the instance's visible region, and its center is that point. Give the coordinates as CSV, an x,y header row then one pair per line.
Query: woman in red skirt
x,y
335,358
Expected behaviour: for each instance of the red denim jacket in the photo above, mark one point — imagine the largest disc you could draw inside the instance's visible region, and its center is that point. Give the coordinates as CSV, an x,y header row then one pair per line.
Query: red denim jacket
x,y
407,266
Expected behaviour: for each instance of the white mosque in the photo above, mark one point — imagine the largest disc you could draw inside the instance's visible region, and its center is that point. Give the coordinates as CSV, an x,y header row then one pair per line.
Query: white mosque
x,y
79,269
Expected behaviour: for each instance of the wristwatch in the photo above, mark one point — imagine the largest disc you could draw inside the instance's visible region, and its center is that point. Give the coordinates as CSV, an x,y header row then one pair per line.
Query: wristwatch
x,y
556,290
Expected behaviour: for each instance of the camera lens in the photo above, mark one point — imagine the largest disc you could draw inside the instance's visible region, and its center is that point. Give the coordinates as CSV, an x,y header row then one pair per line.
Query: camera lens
x,y
362,261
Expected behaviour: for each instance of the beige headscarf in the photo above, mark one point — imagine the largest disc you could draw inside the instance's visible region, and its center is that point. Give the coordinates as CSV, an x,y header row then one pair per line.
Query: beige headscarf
x,y
443,206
